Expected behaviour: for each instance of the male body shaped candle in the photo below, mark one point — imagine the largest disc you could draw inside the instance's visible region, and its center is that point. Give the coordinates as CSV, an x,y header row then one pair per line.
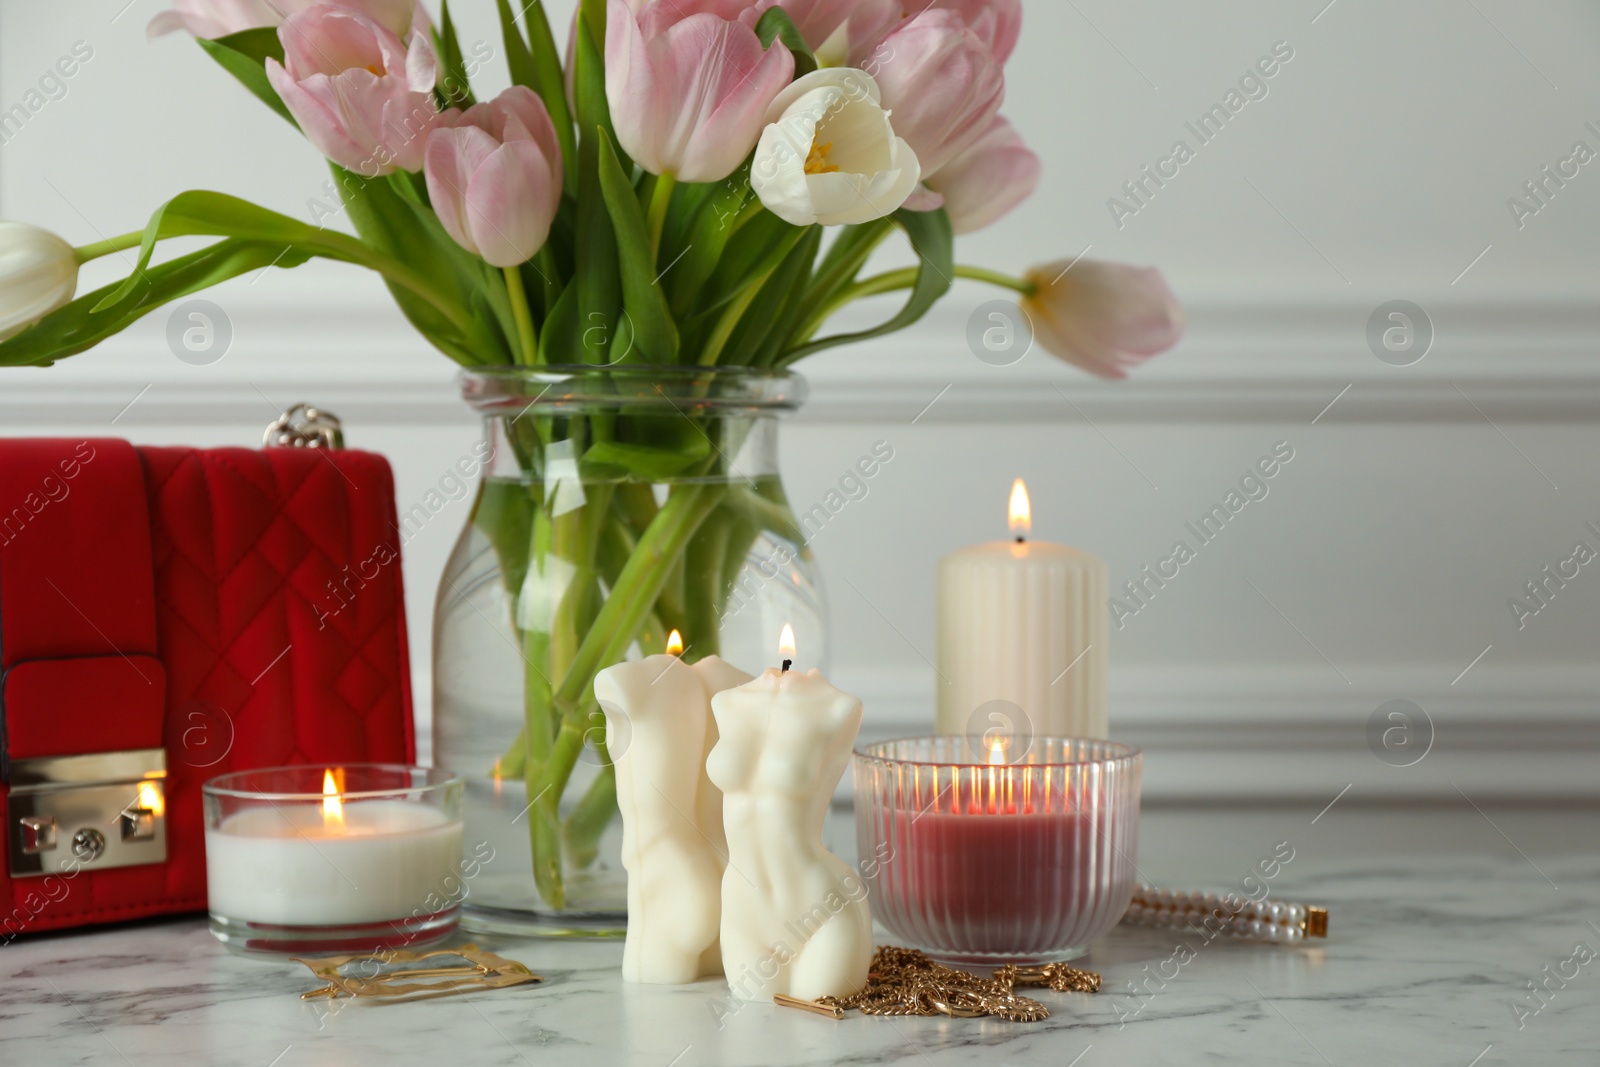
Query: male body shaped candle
x,y
795,918
658,716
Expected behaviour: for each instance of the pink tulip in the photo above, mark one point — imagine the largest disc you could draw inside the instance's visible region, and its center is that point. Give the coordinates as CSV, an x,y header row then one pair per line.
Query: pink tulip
x,y
864,23
688,96
656,15
494,176
988,180
358,93
941,85
218,18
1103,317
998,23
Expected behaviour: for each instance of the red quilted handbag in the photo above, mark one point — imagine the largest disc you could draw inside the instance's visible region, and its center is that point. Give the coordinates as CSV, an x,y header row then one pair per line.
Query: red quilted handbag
x,y
171,614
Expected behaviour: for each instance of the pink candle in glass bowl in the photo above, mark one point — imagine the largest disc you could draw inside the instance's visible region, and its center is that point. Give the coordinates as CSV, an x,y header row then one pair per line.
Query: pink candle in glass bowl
x,y
983,851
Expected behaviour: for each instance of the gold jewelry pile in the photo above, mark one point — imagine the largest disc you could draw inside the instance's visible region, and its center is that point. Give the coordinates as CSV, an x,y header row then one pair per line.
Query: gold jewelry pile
x,y
903,981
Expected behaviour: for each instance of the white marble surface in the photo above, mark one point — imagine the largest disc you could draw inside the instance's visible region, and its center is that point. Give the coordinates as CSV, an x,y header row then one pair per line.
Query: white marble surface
x,y
1438,920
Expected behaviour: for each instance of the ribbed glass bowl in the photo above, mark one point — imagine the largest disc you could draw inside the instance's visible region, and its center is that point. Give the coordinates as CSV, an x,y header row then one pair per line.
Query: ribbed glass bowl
x,y
981,853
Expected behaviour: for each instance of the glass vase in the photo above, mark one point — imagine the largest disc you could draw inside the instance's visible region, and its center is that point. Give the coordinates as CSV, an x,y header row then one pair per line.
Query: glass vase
x,y
615,505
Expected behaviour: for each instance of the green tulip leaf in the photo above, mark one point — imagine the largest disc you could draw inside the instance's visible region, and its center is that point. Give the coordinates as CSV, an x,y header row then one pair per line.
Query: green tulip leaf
x,y
751,253
411,234
503,514
589,74
934,243
775,25
654,332
454,88
519,58
643,463
199,212
772,314
595,269
703,220
90,319
543,68
244,55
843,261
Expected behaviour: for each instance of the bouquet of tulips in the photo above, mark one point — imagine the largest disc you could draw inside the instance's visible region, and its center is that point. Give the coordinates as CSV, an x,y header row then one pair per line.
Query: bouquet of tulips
x,y
698,183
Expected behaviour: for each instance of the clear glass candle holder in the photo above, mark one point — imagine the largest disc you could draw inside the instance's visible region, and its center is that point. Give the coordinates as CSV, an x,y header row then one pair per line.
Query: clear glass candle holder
x,y
358,858
986,850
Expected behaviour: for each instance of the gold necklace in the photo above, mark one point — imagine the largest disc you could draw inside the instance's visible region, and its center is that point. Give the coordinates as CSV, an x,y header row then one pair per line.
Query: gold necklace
x,y
903,981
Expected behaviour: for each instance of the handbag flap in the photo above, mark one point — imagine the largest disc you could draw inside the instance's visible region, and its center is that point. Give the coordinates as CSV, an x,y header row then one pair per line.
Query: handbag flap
x,y
78,667
280,607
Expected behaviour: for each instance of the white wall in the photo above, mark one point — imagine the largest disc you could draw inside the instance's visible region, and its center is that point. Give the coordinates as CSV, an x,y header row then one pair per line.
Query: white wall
x,y
1377,167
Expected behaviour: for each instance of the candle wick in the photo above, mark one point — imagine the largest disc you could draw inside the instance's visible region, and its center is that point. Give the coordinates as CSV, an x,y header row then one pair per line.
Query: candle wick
x,y
787,664
1021,540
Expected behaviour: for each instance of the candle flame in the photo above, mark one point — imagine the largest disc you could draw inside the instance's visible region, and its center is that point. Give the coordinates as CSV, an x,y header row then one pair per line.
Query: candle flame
x,y
786,642
151,800
1021,509
496,776
332,806
674,643
997,752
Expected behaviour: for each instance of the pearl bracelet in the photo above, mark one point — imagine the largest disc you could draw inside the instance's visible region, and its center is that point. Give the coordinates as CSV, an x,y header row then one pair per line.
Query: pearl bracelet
x,y
1227,915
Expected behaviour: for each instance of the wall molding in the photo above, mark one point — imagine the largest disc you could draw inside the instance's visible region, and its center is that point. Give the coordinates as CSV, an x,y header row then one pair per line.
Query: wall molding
x,y
1287,737
1272,361
1295,737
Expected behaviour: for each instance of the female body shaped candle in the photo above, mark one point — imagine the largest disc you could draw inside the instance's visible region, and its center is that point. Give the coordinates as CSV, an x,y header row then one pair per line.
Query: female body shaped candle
x,y
658,717
795,918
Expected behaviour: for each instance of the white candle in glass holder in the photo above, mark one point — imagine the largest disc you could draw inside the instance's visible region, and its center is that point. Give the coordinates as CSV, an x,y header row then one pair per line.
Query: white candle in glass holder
x,y
1023,623
331,863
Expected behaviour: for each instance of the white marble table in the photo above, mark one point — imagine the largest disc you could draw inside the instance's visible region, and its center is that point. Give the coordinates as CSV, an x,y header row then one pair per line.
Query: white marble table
x,y
1438,922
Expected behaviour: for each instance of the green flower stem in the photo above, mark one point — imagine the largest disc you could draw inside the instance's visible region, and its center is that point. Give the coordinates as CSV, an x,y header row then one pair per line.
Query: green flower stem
x,y
767,514
340,246
538,736
572,539
527,341
996,278
550,276
566,544
656,213
894,280
96,249
703,574
637,586
576,540
748,212
637,504
712,350
587,823
616,545
742,534
619,620
836,271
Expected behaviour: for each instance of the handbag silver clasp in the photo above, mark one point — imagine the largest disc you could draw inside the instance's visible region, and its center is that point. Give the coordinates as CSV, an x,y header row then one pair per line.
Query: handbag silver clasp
x,y
107,809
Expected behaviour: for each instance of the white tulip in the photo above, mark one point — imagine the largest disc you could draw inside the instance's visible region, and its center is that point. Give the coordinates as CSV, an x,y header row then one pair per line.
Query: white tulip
x,y
38,273
829,154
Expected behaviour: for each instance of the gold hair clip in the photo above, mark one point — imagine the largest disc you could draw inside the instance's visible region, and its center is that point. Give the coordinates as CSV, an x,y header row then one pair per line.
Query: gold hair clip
x,y
482,970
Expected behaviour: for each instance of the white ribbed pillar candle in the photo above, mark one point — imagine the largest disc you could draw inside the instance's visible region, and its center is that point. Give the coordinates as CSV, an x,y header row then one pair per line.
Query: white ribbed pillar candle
x,y
1025,622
